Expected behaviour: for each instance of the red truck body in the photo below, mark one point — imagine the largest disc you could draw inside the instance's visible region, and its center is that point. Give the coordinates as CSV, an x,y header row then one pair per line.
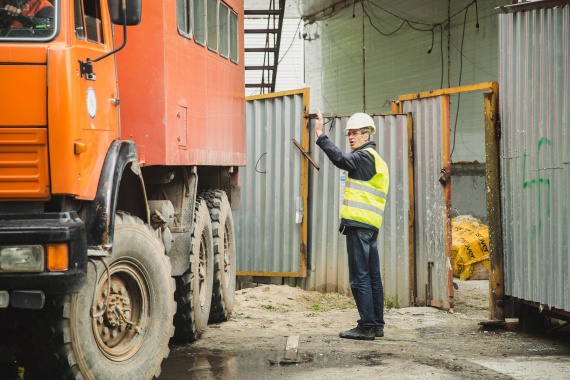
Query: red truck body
x,y
181,102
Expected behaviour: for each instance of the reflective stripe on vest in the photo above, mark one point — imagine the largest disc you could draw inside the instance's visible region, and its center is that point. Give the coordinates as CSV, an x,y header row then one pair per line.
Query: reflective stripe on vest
x,y
364,201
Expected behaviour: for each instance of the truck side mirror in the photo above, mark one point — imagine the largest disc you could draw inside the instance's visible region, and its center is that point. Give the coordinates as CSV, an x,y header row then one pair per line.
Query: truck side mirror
x,y
133,10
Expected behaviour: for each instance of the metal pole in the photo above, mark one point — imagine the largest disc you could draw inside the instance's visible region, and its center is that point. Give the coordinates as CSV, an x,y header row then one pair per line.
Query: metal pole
x,y
492,166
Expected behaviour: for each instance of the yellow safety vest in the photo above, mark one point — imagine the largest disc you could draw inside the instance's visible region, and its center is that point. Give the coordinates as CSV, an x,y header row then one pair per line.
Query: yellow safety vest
x,y
364,201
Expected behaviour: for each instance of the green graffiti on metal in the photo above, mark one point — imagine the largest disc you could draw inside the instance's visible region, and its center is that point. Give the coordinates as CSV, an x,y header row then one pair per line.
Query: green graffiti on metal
x,y
538,181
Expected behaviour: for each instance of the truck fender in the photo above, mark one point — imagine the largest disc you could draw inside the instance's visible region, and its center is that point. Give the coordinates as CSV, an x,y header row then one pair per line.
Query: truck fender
x,y
120,187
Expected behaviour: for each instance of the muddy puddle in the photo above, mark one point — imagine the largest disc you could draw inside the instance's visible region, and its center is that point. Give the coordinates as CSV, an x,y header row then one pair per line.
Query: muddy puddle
x,y
190,362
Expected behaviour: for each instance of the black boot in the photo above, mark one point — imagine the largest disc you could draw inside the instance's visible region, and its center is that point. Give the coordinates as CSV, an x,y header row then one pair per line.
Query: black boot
x,y
358,333
379,333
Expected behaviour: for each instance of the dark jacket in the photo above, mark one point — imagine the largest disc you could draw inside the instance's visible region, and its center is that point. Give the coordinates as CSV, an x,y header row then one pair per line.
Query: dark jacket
x,y
359,164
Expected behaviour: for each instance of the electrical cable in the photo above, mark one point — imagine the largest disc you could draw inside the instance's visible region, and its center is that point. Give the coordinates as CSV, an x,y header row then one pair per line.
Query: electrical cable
x,y
378,30
399,17
292,41
459,85
441,50
257,162
414,25
476,15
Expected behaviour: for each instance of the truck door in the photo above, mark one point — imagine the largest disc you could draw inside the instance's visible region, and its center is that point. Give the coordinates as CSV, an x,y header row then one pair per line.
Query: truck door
x,y
94,104
93,40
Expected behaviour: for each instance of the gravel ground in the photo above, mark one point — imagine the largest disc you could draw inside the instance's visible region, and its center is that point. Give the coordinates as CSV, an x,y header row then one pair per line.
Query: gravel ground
x,y
420,343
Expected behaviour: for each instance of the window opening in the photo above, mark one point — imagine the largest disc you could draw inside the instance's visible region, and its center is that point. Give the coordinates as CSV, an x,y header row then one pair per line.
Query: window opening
x,y
34,20
200,22
184,17
92,25
78,14
234,37
223,15
213,25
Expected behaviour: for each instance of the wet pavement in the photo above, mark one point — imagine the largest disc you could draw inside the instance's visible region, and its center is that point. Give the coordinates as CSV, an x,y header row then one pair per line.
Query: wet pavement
x,y
420,343
189,362
518,357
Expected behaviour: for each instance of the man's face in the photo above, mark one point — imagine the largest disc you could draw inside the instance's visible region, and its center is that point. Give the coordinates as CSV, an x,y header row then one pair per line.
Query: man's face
x,y
356,138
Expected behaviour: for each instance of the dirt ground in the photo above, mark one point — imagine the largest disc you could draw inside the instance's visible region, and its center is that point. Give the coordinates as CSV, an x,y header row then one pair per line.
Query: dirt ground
x,y
419,343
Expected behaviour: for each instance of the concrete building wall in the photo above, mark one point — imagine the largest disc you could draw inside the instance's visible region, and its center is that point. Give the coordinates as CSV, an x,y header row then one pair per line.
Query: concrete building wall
x,y
468,196
351,67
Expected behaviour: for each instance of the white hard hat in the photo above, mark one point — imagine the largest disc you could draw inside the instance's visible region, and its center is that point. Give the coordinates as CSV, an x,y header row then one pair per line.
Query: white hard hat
x,y
360,120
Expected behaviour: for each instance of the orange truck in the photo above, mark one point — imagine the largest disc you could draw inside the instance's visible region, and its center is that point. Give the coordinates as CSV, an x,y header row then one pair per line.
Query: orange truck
x,y
119,164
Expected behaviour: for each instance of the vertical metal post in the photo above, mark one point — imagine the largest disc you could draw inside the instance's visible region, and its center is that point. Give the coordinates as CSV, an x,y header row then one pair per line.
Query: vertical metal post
x,y
492,167
446,157
305,138
411,212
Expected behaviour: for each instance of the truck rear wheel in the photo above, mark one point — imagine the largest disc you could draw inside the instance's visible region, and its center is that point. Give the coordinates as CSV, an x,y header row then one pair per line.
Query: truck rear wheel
x,y
119,329
223,294
194,288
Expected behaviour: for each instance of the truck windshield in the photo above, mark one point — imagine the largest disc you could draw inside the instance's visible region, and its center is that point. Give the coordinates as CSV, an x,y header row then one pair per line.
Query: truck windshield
x,y
27,19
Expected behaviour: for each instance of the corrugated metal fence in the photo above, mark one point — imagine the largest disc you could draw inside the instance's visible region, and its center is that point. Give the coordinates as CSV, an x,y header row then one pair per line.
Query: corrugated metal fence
x,y
268,224
534,78
328,266
267,233
432,205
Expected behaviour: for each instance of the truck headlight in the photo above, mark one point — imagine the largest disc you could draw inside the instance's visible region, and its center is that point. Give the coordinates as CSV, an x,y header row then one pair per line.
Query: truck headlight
x,y
22,258
4,299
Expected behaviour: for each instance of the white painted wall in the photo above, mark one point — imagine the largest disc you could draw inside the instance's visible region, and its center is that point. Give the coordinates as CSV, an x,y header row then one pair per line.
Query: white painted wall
x,y
399,64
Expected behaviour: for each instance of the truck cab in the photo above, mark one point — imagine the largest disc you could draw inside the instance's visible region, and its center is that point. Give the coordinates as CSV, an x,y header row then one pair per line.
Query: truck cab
x,y
55,129
111,200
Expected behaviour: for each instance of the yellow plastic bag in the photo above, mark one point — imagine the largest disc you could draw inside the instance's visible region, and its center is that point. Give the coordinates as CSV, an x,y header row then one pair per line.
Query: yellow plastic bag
x,y
470,245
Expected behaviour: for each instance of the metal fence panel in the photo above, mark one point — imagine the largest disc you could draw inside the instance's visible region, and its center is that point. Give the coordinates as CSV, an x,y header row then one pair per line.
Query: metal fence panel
x,y
431,210
268,224
534,78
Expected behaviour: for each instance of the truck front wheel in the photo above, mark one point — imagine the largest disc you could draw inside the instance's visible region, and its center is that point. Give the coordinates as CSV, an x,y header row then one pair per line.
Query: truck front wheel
x,y
119,328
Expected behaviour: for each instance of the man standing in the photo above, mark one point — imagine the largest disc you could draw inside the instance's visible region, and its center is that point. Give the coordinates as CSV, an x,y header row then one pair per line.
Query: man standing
x,y
361,217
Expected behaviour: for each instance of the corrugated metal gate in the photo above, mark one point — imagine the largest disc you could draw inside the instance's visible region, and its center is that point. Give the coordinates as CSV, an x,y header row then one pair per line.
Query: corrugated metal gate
x,y
271,225
432,186
432,189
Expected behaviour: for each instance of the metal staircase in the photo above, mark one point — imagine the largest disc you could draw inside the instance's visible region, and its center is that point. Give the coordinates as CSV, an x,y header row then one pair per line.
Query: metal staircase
x,y
262,54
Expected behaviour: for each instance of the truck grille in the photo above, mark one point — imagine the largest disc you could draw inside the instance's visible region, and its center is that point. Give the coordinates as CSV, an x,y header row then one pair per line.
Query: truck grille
x,y
24,173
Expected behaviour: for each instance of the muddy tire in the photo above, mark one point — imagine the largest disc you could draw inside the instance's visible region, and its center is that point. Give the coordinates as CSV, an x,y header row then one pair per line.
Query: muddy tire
x,y
78,337
194,288
223,293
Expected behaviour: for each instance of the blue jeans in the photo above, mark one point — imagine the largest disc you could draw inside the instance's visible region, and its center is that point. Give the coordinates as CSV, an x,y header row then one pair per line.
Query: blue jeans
x,y
364,276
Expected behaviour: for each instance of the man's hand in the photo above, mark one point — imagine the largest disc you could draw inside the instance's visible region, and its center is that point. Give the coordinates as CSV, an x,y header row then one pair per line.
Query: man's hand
x,y
319,124
12,10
